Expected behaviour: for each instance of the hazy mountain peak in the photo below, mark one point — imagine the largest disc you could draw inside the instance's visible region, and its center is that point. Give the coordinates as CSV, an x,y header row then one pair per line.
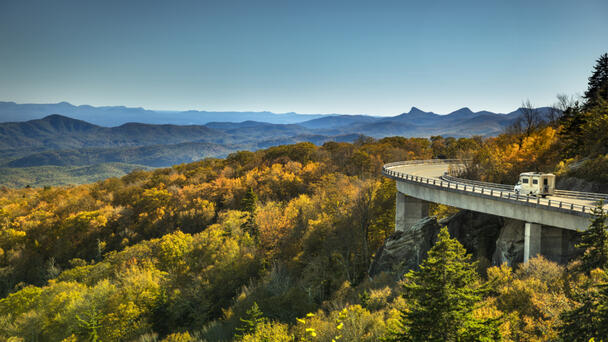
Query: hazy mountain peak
x,y
56,117
60,118
464,110
415,110
57,120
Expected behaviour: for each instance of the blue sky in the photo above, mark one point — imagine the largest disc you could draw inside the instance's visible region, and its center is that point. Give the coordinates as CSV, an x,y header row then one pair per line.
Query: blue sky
x,y
373,57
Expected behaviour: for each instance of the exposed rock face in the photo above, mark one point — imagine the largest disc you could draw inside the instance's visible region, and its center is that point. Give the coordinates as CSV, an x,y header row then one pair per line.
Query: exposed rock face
x,y
405,250
510,243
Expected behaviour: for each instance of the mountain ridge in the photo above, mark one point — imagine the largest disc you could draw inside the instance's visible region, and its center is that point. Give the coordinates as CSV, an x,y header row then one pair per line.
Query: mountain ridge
x,y
111,116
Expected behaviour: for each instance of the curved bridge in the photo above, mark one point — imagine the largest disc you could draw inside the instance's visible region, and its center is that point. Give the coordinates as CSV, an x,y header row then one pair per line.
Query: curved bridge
x,y
423,181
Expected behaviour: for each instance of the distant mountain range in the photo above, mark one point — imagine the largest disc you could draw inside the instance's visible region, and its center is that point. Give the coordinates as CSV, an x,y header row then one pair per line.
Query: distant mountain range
x,y
111,116
117,115
61,141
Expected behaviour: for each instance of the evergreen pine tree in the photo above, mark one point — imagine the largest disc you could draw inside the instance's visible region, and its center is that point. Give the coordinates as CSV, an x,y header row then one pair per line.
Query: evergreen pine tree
x,y
572,121
590,318
249,204
441,297
253,317
594,241
575,118
598,83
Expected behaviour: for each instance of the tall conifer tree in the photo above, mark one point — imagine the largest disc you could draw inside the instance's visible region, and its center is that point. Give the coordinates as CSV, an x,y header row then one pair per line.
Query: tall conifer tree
x,y
575,118
594,241
250,204
442,296
590,318
598,83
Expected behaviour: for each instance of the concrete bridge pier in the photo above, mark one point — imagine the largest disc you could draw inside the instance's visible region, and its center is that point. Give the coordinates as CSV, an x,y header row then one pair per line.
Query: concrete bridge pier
x,y
558,244
408,211
532,240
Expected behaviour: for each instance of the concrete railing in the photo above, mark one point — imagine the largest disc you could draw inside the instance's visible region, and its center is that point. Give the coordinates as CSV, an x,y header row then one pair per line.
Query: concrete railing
x,y
490,190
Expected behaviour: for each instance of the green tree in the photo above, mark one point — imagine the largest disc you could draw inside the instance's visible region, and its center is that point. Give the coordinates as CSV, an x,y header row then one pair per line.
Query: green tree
x,y
90,326
598,83
594,241
590,318
572,121
442,296
253,317
249,204
577,121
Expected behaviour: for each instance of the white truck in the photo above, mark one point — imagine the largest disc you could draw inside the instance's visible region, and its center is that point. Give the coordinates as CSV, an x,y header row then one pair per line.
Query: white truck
x,y
536,184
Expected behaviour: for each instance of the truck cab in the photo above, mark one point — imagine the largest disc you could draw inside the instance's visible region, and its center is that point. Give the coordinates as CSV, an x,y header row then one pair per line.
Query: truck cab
x,y
536,184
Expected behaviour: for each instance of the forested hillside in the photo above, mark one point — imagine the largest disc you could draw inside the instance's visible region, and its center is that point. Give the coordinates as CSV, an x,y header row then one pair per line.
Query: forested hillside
x,y
275,245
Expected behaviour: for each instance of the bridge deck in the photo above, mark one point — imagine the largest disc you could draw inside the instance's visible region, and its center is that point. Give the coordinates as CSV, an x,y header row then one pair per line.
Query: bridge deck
x,y
436,171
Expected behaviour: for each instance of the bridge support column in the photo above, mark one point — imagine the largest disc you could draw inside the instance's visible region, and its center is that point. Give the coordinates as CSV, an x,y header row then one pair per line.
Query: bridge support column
x,y
554,244
408,211
531,240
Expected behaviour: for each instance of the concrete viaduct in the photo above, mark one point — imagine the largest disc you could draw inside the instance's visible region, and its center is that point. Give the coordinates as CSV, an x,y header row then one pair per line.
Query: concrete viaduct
x,y
423,181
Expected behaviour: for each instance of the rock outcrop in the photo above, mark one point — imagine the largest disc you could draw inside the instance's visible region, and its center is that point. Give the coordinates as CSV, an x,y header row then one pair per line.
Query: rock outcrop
x,y
510,243
405,250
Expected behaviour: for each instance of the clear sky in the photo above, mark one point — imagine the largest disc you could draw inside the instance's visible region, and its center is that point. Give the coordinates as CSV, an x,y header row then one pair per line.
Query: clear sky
x,y
306,56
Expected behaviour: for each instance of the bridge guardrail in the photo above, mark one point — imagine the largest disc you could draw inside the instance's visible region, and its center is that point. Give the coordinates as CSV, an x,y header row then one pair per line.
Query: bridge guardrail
x,y
480,187
561,193
579,194
468,181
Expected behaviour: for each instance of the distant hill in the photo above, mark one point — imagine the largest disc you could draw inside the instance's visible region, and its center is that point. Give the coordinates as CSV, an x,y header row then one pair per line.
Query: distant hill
x,y
61,132
117,115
